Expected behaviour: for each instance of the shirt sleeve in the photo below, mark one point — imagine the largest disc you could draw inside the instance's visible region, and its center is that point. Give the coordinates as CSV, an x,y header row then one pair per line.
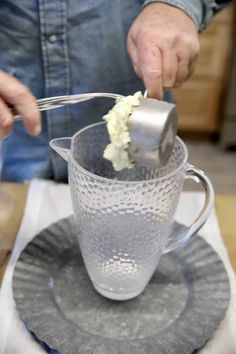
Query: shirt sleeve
x,y
201,11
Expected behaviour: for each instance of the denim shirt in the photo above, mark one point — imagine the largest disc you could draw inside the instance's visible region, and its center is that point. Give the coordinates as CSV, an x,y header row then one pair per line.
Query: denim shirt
x,y
63,47
201,11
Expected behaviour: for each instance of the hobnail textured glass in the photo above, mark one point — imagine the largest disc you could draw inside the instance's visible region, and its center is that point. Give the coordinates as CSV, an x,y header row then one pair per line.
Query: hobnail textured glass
x,y
123,218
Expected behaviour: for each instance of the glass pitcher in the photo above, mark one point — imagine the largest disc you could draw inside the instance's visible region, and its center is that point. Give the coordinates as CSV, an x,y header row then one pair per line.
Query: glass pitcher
x,y
124,219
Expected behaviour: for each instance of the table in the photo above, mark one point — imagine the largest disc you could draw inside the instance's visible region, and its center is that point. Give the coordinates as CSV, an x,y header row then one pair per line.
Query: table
x,y
48,202
225,208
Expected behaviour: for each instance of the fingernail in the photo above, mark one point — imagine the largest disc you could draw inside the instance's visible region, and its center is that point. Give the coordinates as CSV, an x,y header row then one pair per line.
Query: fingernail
x,y
37,129
168,85
4,133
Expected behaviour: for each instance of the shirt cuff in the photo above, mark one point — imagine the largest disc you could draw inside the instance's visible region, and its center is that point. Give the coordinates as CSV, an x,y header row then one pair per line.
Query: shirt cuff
x,y
194,9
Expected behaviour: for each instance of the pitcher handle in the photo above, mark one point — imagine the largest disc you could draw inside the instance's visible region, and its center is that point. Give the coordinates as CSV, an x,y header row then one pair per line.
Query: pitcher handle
x,y
188,234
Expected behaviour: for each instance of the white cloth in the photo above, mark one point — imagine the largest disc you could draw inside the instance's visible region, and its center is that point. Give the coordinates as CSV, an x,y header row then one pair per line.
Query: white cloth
x,y
48,202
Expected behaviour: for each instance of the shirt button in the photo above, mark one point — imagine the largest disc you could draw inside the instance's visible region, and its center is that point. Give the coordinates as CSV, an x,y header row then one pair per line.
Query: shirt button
x,y
52,38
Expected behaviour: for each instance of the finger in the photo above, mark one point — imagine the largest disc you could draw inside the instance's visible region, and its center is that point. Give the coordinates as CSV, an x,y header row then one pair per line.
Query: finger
x,y
18,95
6,120
191,68
132,50
182,71
169,69
150,62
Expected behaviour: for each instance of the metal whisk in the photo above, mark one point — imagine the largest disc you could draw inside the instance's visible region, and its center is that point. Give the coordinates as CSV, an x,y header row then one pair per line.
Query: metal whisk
x,y
152,125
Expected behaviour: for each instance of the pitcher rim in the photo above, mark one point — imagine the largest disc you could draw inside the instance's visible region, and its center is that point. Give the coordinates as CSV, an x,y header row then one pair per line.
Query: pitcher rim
x,y
90,174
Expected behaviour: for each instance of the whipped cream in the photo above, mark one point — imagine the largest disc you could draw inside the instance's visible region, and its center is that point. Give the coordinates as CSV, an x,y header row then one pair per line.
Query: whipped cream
x,y
117,126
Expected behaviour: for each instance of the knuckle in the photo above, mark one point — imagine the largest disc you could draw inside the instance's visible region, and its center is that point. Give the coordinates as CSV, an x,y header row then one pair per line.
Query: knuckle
x,y
188,41
149,39
6,123
192,44
153,73
174,39
5,117
147,33
185,41
19,92
145,47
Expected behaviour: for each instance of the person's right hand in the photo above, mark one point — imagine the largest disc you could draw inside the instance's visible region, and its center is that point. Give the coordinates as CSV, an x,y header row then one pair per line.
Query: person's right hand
x,y
163,46
16,94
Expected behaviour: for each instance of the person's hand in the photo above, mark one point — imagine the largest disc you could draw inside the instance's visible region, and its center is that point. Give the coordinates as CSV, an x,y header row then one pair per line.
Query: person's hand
x,y
163,46
16,94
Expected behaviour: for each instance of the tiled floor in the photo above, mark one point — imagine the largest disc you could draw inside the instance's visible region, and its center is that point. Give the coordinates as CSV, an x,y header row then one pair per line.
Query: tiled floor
x,y
219,165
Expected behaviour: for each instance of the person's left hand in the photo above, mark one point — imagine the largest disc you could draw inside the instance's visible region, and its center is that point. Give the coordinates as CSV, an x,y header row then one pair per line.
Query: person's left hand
x,y
163,46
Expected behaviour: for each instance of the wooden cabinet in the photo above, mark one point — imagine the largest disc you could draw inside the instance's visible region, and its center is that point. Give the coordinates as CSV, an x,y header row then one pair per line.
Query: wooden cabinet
x,y
228,128
200,99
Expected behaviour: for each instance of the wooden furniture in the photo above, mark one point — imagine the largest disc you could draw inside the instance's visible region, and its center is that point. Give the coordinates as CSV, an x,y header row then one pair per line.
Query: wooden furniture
x,y
225,208
228,130
200,99
9,230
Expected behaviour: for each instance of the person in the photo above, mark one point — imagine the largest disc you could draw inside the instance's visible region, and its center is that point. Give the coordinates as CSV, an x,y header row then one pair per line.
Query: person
x,y
51,48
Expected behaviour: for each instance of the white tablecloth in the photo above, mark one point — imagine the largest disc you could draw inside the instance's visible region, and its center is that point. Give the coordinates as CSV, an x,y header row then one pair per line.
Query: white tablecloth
x,y
48,202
